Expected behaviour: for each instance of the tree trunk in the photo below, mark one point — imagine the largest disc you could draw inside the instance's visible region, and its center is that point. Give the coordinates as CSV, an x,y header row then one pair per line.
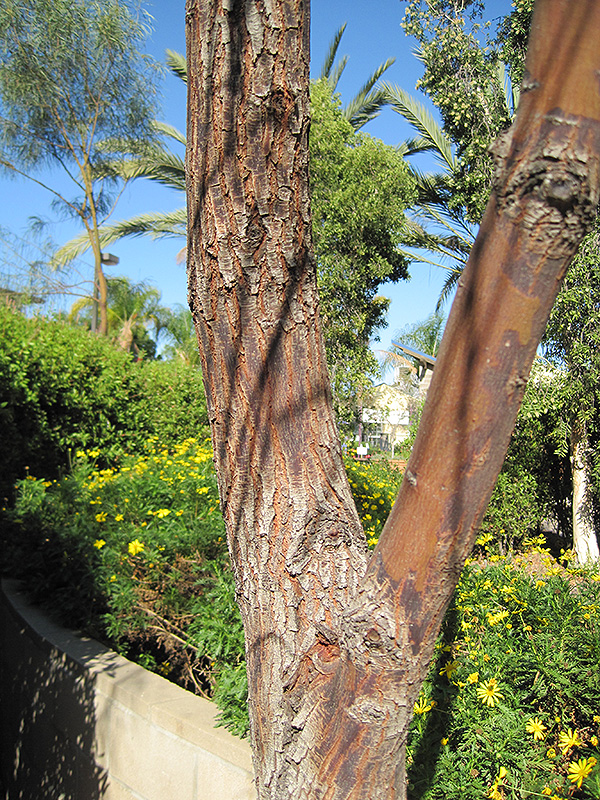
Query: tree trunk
x,y
585,543
338,645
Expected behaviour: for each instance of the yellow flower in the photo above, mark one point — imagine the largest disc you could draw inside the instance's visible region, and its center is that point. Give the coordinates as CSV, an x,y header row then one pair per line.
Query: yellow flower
x,y
99,543
119,518
473,677
444,741
449,669
568,740
424,705
163,512
578,770
489,693
101,517
547,790
494,619
537,728
551,753
135,547
493,793
594,741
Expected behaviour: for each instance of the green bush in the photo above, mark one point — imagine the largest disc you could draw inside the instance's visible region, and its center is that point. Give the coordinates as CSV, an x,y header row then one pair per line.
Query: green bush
x,y
62,389
510,707
136,556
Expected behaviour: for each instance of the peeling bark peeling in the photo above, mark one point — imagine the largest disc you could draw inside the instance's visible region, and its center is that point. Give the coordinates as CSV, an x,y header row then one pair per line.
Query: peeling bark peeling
x,y
337,644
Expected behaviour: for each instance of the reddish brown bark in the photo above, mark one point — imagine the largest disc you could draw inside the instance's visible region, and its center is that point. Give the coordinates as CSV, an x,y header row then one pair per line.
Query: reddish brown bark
x,y
337,650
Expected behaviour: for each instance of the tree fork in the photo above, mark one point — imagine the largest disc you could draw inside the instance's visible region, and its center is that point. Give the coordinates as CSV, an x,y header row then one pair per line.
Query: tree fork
x,y
337,650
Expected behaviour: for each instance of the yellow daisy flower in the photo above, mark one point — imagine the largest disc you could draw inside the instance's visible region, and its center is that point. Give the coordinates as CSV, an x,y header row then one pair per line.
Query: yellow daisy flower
x,y
424,705
489,693
578,770
568,740
537,728
135,547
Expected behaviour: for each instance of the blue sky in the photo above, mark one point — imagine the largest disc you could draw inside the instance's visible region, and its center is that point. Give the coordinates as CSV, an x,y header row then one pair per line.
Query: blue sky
x,y
373,34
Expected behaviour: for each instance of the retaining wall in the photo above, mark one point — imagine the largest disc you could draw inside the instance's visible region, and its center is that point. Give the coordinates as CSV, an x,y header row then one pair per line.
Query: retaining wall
x,y
79,722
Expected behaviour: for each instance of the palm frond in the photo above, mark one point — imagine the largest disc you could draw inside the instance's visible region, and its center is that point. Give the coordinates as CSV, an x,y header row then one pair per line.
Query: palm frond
x,y
158,225
73,249
510,92
331,53
417,115
170,131
363,109
414,145
161,166
447,289
372,80
177,63
335,76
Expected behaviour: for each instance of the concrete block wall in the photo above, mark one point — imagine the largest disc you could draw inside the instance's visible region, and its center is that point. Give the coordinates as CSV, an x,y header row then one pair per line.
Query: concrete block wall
x,y
79,722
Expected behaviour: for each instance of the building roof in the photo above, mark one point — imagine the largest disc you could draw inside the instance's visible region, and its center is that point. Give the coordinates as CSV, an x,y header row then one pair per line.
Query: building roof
x,y
425,361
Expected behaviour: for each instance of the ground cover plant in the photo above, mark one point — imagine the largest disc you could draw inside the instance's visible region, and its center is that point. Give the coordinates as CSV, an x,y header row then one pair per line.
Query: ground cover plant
x,y
136,555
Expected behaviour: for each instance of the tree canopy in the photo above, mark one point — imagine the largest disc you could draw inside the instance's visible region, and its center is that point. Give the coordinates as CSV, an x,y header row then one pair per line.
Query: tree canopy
x,y
360,190
73,80
466,80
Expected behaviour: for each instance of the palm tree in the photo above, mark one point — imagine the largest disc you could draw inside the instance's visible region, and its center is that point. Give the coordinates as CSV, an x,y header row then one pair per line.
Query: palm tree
x,y
425,336
132,307
183,345
436,227
368,101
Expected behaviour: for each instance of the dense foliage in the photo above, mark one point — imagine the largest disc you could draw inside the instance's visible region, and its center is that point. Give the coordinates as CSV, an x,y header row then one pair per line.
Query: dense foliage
x,y
510,707
572,344
137,557
73,82
465,80
360,189
62,389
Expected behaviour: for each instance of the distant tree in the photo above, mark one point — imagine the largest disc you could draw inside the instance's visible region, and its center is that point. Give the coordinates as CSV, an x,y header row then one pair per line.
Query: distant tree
x,y
182,342
425,336
26,279
572,343
72,78
360,189
132,309
465,79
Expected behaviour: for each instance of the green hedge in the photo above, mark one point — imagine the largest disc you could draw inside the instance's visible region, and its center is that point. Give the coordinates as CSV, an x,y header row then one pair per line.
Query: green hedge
x,y
63,388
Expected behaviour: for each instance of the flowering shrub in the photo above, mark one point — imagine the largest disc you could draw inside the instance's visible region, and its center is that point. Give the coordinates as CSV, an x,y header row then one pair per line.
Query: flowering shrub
x,y
136,556
512,694
374,487
63,389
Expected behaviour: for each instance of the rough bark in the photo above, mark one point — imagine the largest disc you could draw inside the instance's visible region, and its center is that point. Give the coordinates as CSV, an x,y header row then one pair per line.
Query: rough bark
x,y
297,546
337,646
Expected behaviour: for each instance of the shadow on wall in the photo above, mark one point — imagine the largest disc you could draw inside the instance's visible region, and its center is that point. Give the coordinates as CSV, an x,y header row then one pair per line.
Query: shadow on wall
x,y
47,718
